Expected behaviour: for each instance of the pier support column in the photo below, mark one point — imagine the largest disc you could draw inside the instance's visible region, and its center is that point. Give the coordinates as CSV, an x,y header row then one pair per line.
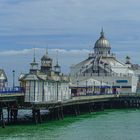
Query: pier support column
x,y
52,114
102,106
2,118
111,104
55,114
75,110
78,109
61,112
89,107
8,115
58,113
0,113
11,115
39,116
15,113
3,121
34,115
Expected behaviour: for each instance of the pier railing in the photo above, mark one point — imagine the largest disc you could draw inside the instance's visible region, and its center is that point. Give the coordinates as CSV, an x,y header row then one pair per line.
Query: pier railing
x,y
103,74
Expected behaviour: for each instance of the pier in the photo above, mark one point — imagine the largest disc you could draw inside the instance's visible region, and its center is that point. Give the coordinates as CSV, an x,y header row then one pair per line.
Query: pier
x,y
13,101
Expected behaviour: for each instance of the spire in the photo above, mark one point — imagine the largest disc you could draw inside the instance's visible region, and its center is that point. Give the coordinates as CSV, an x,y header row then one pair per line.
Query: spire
x,y
102,33
46,51
57,67
57,58
34,57
57,62
34,65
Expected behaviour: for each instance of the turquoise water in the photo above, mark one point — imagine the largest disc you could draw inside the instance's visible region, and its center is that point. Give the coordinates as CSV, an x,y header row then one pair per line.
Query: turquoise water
x,y
106,125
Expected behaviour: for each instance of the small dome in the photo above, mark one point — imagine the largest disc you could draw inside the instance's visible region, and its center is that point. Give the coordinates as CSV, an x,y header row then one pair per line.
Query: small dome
x,y
127,57
102,42
46,57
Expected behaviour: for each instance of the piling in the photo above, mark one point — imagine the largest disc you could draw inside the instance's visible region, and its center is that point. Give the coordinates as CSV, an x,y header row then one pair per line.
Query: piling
x,y
2,118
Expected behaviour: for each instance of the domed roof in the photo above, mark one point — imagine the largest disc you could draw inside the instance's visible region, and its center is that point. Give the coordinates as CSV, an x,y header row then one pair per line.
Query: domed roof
x,y
46,57
102,42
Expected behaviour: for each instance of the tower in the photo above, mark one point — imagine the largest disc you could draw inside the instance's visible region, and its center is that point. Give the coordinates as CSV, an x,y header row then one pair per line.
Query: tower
x,y
102,45
57,67
46,63
33,65
128,60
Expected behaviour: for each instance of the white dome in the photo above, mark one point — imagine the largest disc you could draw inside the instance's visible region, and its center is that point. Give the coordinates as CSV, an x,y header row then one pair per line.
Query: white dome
x,y
102,42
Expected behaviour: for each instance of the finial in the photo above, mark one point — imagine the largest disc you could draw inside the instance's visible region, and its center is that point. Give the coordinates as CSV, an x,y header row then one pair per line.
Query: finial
x,y
57,67
34,56
102,33
127,57
46,51
57,57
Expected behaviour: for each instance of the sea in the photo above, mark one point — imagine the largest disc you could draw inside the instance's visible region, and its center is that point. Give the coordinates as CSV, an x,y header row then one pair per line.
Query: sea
x,y
114,124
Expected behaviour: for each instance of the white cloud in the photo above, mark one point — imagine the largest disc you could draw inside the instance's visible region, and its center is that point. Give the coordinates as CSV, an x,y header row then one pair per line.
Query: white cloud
x,y
41,50
15,52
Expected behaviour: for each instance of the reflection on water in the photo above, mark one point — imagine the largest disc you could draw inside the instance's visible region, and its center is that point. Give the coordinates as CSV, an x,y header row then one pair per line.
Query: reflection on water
x,y
107,125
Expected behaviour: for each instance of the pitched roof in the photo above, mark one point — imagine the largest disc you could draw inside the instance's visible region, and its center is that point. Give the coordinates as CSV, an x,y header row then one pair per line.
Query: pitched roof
x,y
3,75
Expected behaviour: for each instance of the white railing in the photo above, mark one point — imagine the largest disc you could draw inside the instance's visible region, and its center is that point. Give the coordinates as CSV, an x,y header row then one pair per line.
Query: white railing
x,y
103,55
103,74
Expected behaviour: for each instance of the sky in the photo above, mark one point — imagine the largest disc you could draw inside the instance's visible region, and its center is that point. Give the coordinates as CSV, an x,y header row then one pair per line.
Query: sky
x,y
70,26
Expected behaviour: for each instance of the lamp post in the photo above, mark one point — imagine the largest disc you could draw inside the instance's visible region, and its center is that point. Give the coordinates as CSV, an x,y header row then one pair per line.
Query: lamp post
x,y
86,86
93,87
113,87
105,69
86,68
57,86
107,87
77,86
98,69
101,88
13,79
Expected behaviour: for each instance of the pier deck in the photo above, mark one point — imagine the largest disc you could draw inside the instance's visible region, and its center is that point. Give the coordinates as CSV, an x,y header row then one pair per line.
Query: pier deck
x,y
75,105
88,99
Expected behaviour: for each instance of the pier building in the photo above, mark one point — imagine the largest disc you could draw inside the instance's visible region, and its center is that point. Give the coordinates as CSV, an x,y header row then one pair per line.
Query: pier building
x,y
3,79
46,84
102,72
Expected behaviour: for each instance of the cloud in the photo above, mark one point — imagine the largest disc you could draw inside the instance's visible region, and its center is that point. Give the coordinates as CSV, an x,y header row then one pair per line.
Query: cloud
x,y
14,52
42,50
